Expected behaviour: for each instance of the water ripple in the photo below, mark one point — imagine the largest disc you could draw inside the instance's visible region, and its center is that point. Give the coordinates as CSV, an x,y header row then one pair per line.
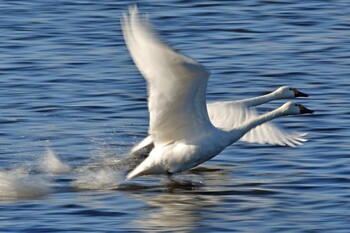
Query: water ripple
x,y
68,83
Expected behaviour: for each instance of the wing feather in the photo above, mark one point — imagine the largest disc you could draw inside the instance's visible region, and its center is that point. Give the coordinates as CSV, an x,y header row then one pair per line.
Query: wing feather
x,y
228,115
176,83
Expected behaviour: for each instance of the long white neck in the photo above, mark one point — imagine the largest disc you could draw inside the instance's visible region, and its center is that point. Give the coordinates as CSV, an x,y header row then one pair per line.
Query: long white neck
x,y
238,132
251,102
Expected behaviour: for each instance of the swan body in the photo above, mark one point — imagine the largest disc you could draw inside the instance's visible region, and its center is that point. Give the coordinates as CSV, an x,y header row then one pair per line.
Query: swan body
x,y
228,114
180,128
181,156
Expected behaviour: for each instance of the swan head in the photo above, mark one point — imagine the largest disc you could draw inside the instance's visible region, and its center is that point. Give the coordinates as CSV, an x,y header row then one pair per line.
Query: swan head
x,y
287,92
291,108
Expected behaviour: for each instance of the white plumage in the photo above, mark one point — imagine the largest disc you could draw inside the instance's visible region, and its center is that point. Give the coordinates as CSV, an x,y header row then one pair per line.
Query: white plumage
x,y
176,83
229,114
180,128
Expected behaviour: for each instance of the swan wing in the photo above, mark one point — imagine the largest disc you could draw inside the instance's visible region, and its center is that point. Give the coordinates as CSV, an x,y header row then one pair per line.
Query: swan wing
x,y
228,115
176,83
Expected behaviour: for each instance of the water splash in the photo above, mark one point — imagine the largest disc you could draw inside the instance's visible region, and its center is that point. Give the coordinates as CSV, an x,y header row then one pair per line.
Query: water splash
x,y
53,165
105,171
104,178
29,182
22,184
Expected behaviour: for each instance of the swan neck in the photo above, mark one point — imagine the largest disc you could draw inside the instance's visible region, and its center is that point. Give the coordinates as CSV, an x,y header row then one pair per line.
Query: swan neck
x,y
237,133
251,102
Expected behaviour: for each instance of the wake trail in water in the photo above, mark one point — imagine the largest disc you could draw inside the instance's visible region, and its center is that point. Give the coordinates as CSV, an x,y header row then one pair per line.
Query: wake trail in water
x,y
100,179
21,184
53,165
105,171
38,179
30,182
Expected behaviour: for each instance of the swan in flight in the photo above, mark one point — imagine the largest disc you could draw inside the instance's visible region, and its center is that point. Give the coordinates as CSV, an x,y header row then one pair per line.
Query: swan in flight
x,y
182,133
228,114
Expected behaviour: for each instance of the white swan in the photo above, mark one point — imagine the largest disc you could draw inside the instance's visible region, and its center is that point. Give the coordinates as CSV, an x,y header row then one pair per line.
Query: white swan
x,y
228,114
180,128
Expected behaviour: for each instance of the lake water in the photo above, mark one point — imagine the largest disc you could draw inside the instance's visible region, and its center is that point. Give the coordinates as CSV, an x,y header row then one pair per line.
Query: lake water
x,y
72,103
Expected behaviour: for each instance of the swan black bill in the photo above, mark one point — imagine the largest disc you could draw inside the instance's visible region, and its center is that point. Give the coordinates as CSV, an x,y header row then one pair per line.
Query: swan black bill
x,y
299,93
304,110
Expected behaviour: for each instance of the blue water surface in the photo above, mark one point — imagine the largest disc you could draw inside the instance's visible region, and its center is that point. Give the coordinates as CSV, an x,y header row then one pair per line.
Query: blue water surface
x,y
69,90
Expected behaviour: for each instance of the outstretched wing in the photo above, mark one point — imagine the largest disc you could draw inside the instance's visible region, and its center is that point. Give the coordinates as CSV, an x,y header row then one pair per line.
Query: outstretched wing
x,y
176,83
228,115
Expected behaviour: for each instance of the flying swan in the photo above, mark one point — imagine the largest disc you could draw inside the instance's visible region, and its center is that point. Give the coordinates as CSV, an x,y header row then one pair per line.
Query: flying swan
x,y
228,114
182,134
